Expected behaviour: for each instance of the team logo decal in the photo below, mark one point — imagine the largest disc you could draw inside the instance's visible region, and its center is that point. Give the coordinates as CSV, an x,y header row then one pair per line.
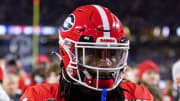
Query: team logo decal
x,y
68,23
50,99
25,99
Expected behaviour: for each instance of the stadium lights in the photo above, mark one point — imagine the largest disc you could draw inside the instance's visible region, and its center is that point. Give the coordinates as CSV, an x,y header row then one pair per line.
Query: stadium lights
x,y
2,29
178,31
47,30
36,30
157,31
28,30
165,31
15,30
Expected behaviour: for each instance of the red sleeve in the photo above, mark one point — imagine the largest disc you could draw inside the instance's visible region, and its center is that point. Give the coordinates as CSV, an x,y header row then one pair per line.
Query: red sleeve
x,y
41,92
136,91
143,92
31,94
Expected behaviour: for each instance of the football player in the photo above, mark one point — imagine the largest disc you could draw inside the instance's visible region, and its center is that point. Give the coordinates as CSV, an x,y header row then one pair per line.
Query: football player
x,y
94,51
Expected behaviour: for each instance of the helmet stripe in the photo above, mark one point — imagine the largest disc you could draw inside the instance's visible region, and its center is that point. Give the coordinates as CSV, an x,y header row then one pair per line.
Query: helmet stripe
x,y
104,20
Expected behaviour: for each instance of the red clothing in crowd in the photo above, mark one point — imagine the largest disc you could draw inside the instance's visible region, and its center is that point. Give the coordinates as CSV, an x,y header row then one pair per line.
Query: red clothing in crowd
x,y
25,82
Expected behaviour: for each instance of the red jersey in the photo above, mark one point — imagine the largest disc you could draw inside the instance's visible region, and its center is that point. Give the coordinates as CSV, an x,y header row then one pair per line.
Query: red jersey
x,y
41,92
136,92
25,82
49,92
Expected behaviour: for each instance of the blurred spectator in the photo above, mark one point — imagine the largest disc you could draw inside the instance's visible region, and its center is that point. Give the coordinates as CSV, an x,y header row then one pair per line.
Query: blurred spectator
x,y
131,74
42,58
168,91
176,77
10,85
24,82
3,94
40,66
52,73
13,66
149,76
38,73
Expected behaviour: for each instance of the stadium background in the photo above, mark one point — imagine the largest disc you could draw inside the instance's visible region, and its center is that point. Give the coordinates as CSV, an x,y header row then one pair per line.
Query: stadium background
x,y
153,27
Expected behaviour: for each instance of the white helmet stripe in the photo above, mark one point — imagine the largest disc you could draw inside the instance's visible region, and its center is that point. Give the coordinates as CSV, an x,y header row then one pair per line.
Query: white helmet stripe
x,y
104,20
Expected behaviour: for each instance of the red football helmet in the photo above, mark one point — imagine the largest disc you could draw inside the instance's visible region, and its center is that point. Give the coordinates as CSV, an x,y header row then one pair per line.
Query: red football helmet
x,y
93,47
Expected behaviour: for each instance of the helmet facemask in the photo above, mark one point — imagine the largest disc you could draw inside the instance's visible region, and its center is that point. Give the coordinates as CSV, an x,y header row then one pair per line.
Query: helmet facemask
x,y
96,65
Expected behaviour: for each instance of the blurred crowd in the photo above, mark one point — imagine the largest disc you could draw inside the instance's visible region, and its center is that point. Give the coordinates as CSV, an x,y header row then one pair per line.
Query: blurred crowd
x,y
14,80
154,12
147,73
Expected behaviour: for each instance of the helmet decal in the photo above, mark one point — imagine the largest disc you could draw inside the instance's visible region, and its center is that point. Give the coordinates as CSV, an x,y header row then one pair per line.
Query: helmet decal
x,y
104,19
69,22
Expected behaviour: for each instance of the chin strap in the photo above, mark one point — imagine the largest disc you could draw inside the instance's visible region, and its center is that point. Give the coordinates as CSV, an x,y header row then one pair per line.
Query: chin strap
x,y
103,94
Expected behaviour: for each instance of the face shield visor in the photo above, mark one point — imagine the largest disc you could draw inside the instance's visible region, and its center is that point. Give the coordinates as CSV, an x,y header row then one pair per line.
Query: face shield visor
x,y
98,66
